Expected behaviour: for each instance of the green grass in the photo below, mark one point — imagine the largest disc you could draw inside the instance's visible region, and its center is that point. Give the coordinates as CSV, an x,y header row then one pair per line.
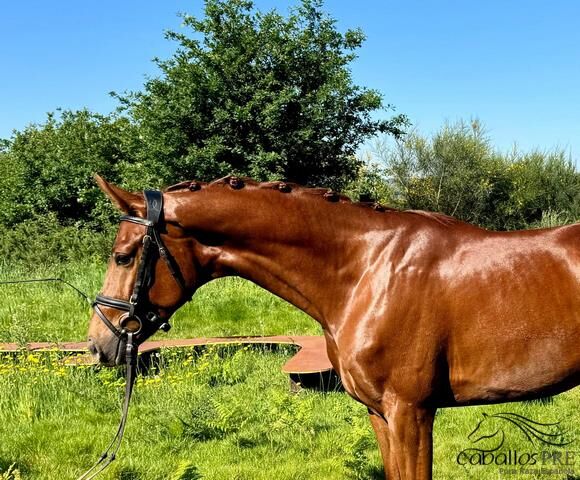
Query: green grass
x,y
223,413
227,412
55,312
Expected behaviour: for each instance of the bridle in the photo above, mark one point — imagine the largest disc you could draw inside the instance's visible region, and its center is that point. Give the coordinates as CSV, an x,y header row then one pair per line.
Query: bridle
x,y
139,309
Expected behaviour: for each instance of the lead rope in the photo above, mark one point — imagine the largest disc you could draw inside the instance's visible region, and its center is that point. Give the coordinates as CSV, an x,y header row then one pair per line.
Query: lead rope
x,y
131,352
39,280
109,455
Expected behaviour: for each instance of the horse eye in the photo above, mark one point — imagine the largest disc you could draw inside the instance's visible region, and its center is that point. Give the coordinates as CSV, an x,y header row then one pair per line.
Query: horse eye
x,y
123,260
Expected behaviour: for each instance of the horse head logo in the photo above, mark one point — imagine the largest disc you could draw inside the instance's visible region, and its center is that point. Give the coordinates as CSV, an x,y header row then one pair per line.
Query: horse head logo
x,y
493,426
488,429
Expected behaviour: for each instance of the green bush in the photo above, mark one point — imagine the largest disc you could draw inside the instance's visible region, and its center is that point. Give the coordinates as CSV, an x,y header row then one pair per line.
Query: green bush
x,y
459,173
44,241
246,92
49,168
370,185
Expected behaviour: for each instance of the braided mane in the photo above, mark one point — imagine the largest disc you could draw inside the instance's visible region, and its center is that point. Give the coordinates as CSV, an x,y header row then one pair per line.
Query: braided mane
x,y
324,193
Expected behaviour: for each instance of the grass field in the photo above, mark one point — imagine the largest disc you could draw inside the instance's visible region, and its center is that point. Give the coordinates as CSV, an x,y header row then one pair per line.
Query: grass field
x,y
220,413
55,312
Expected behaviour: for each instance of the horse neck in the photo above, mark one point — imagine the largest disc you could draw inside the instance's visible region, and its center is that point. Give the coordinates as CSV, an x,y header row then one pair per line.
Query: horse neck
x,y
296,245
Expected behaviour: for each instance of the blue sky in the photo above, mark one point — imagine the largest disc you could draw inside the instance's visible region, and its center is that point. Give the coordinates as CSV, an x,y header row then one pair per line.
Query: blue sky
x,y
515,65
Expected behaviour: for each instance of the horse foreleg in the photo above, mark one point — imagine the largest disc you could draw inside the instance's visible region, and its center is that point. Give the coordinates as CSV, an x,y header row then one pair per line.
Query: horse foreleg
x,y
382,433
410,442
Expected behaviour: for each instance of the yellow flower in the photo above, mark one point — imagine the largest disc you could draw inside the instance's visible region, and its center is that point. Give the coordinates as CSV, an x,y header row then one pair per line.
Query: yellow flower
x,y
33,358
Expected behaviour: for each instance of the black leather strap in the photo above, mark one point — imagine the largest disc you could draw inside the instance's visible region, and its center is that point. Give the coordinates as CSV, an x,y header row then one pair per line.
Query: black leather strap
x,y
154,203
110,453
143,272
112,302
169,261
137,220
118,333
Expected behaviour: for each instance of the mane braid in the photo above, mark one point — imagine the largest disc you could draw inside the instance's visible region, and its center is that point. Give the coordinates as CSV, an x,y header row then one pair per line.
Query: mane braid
x,y
227,180
186,185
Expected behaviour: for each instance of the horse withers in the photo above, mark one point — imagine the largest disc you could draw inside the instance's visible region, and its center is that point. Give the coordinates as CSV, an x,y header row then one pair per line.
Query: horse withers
x,y
419,310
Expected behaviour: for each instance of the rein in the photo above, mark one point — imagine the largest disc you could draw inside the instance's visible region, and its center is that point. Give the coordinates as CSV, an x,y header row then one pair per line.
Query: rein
x,y
131,352
53,279
110,453
138,310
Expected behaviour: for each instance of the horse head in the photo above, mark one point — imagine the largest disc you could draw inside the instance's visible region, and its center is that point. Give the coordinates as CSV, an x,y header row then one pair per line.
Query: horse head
x,y
151,273
535,432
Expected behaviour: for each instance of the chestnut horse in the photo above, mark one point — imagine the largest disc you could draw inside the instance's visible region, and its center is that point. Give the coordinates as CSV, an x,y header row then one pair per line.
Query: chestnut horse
x,y
419,310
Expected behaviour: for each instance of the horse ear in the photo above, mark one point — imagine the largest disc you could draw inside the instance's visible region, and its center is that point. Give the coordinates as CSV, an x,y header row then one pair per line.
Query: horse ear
x,y
125,201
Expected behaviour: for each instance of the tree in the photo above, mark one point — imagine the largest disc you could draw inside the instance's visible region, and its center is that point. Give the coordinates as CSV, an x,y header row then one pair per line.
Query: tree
x,y
257,94
49,168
